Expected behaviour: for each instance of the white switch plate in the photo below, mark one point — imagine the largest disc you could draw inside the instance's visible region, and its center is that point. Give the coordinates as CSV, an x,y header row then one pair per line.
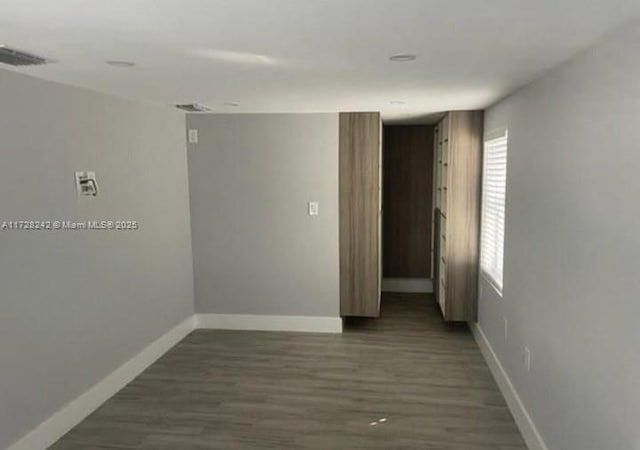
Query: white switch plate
x,y
193,136
313,208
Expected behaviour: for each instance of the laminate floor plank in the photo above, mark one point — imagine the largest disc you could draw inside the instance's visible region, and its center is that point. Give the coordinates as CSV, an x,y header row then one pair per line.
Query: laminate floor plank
x,y
403,381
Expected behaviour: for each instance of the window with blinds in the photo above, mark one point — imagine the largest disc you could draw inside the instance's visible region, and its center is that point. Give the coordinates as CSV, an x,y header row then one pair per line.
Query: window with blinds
x,y
493,209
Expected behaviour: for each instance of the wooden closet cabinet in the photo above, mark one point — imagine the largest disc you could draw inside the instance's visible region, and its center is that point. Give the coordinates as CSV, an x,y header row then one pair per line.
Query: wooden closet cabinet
x,y
457,182
360,213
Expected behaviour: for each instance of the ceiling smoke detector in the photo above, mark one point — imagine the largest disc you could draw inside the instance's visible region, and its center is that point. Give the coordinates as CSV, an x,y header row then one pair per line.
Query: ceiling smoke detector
x,y
193,107
403,57
14,57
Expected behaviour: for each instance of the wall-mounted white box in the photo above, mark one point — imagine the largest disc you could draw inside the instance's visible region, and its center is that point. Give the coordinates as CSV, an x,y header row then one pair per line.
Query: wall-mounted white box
x,y
86,184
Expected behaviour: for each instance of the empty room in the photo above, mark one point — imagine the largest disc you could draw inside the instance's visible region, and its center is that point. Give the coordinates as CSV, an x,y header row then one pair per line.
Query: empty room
x,y
319,224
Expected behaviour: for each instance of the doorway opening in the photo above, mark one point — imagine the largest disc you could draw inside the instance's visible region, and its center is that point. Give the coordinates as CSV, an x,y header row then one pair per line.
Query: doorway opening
x,y
407,205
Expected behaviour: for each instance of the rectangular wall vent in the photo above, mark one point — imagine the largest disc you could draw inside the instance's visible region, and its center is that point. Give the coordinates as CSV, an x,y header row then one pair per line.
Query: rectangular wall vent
x,y
15,57
193,107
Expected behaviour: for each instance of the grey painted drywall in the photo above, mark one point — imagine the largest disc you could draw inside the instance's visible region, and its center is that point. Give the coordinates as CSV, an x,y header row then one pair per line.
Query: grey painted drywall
x,y
572,248
256,251
77,305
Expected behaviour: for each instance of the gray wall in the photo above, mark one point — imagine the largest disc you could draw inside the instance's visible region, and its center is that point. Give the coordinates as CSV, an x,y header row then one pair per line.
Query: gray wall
x,y
572,248
256,251
77,305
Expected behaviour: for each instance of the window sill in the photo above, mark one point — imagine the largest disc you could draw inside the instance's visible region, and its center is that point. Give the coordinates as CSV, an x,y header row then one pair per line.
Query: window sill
x,y
493,285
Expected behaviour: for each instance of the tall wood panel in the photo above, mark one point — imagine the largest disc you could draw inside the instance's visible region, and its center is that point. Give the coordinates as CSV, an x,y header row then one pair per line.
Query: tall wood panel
x,y
407,200
359,161
435,197
457,184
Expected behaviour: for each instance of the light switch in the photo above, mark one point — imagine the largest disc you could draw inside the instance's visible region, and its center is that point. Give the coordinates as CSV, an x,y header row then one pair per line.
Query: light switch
x,y
313,208
193,136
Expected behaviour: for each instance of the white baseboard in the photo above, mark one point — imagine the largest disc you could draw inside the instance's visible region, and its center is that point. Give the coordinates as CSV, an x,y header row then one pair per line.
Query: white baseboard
x,y
269,323
56,426
527,427
408,285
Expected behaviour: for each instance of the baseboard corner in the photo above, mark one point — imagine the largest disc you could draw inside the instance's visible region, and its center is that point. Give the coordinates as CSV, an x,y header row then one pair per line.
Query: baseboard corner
x,y
59,423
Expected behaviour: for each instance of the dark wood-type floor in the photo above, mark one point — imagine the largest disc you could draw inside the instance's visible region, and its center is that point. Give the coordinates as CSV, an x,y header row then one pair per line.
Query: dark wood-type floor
x,y
257,390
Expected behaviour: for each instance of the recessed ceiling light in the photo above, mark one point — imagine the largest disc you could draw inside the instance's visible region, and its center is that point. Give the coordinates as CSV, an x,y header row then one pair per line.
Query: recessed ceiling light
x,y
398,102
120,63
234,104
403,57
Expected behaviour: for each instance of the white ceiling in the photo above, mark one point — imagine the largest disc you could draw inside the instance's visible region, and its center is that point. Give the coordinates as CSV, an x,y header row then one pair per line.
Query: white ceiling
x,y
307,55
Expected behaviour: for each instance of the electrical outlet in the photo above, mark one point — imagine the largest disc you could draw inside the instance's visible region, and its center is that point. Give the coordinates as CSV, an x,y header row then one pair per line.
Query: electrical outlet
x,y
506,328
193,136
527,359
312,208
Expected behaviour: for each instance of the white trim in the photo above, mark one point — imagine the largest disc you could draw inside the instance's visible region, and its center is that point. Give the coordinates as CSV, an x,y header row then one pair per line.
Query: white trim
x,y
410,285
269,323
489,280
527,427
59,423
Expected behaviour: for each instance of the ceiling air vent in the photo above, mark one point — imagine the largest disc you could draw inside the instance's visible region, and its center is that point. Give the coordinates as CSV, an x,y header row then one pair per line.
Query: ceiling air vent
x,y
193,107
15,57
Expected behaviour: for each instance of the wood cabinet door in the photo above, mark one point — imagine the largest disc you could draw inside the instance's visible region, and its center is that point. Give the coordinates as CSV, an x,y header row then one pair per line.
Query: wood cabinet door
x,y
359,160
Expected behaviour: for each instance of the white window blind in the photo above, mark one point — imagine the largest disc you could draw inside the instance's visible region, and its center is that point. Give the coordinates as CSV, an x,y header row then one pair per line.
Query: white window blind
x,y
493,209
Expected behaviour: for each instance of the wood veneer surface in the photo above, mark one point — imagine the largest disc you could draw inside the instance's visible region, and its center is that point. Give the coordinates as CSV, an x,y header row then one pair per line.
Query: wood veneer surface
x,y
359,159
